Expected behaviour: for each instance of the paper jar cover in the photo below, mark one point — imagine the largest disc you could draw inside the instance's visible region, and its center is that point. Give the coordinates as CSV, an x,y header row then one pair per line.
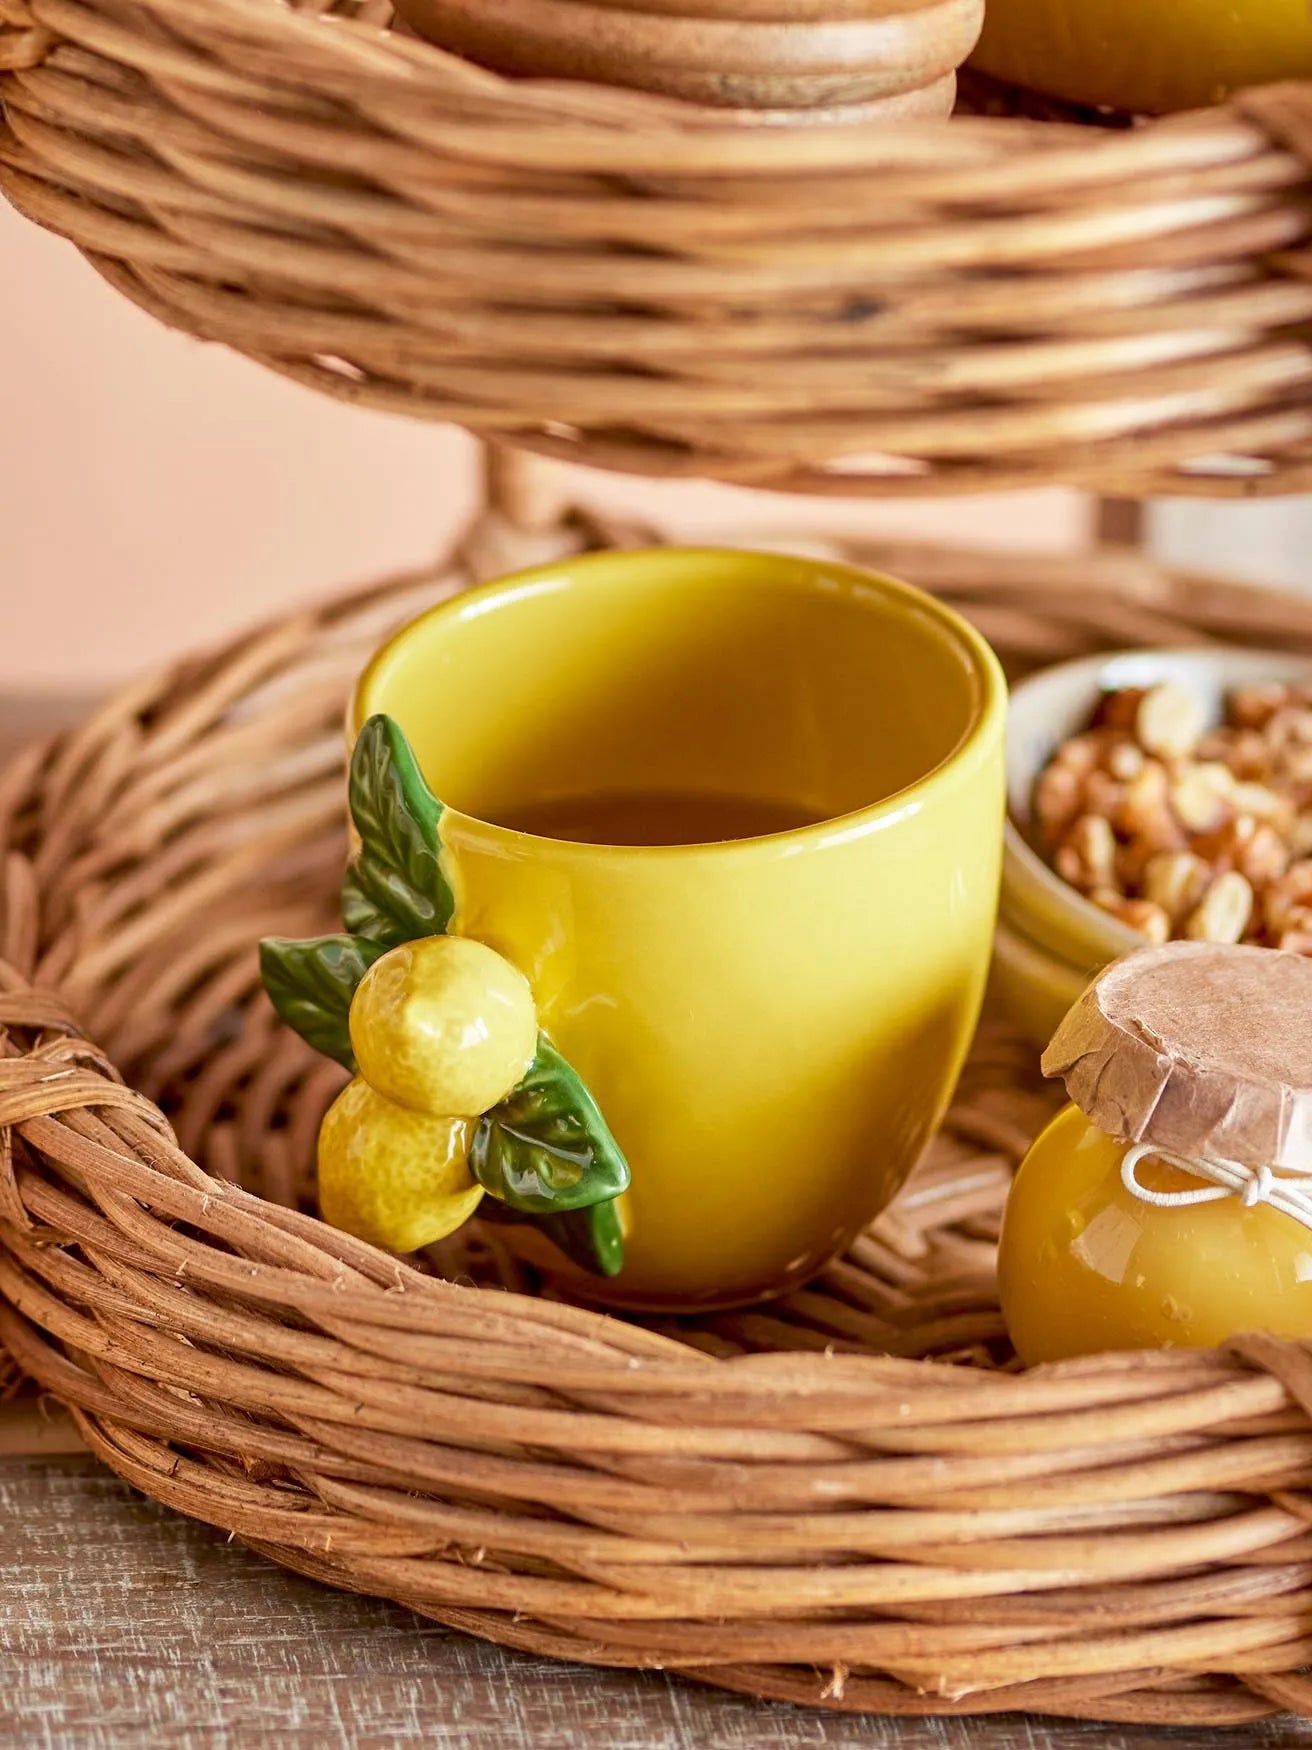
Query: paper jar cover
x,y
1198,1050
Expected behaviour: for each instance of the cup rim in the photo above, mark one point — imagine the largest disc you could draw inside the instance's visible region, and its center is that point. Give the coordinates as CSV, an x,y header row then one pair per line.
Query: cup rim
x,y
985,729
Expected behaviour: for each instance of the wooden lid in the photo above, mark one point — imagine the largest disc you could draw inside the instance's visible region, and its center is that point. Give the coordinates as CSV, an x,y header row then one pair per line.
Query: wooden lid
x,y
1198,1050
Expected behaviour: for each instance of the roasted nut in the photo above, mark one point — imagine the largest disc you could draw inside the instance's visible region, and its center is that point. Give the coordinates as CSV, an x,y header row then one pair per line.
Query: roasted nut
x,y
1198,797
1293,764
1058,799
1118,708
1168,721
1224,911
1124,760
1147,800
1288,895
1291,726
1087,858
1264,804
1300,835
1253,707
1185,830
1140,915
1082,753
1221,849
1176,881
1297,942
1264,856
1244,751
1103,795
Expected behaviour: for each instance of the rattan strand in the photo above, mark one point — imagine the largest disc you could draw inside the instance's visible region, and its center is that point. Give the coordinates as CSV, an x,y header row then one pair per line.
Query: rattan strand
x,y
850,1498
617,279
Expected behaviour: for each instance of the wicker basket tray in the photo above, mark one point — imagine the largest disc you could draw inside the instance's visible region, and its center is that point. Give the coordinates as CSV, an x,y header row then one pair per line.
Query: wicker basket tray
x,y
622,280
848,1498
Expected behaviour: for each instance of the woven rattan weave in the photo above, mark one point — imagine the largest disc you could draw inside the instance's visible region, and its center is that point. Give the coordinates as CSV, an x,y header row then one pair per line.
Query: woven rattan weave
x,y
848,1498
838,306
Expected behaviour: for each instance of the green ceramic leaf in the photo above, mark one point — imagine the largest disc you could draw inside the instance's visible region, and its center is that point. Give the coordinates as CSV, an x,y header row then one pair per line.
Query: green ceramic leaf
x,y
591,1237
395,889
311,984
546,1148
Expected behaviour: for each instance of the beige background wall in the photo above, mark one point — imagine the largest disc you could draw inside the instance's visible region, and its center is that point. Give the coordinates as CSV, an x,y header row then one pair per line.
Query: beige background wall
x,y
155,493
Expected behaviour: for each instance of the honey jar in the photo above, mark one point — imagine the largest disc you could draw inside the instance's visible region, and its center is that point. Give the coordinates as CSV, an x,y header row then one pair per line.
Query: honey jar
x,y
1170,1204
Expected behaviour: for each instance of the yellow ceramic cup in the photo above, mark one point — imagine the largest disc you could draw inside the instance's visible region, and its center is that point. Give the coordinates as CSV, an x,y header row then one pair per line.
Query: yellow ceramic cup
x,y
772,1026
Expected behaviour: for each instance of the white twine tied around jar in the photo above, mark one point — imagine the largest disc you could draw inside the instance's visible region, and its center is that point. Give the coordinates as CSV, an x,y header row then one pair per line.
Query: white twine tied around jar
x,y
1252,1185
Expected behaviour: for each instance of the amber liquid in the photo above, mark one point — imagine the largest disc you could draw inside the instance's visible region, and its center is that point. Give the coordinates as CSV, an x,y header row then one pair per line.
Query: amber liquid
x,y
654,817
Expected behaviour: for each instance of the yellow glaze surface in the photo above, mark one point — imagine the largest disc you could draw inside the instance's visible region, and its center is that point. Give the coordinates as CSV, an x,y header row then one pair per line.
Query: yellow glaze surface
x,y
397,1178
771,1026
1145,55
1085,1266
444,1025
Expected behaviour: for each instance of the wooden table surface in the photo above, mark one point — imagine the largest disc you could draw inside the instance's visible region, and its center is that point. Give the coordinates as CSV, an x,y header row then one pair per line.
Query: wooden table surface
x,y
123,1625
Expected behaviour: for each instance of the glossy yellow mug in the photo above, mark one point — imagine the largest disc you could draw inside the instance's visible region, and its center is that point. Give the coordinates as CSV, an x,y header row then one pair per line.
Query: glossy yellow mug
x,y
772,1026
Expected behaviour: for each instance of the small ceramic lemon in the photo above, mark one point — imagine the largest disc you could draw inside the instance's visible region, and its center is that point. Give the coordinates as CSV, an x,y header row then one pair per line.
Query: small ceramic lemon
x,y
395,1177
444,1025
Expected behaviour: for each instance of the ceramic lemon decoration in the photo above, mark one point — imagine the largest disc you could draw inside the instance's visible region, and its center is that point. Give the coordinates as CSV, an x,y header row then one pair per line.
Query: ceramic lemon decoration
x,y
1145,56
456,1092
444,1025
393,1176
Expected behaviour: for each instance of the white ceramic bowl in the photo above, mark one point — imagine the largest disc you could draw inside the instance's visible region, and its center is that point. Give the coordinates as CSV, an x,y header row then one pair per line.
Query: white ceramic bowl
x,y
1051,940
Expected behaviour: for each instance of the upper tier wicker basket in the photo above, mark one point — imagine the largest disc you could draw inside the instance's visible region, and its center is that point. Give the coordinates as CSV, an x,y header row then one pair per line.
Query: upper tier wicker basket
x,y
877,307
849,1497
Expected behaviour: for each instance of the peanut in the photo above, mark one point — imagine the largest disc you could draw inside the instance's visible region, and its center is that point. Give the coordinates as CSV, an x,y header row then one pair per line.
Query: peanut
x,y
1058,798
1176,881
1168,721
1294,764
1264,857
1263,803
1082,753
1087,859
1198,800
1140,915
1118,708
1224,912
1103,795
1146,803
1290,727
1288,895
1300,835
1125,760
1244,751
1253,707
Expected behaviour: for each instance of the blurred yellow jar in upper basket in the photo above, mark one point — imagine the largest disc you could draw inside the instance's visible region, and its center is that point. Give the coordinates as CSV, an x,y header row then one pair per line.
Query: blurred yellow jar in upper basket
x,y
737,820
1145,56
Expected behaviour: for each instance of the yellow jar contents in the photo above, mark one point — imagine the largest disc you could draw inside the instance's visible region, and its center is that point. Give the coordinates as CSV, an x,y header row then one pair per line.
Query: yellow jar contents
x,y
1085,1265
1147,56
